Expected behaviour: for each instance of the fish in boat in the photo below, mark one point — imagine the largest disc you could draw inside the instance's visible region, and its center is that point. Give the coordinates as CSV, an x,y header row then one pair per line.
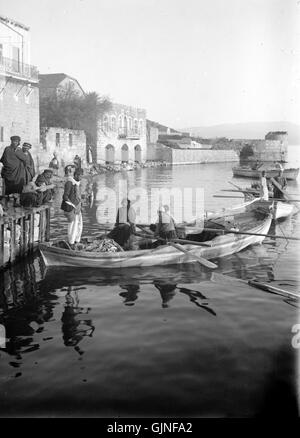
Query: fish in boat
x,y
219,246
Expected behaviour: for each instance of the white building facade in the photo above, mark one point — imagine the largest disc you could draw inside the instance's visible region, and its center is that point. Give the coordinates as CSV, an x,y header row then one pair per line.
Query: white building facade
x,y
121,135
19,92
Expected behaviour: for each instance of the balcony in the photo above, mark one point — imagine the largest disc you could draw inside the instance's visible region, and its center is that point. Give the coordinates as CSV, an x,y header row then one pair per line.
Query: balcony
x,y
18,69
131,134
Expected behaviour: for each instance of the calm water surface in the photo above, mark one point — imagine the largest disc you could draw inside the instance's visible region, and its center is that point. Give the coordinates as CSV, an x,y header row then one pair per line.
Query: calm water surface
x,y
176,341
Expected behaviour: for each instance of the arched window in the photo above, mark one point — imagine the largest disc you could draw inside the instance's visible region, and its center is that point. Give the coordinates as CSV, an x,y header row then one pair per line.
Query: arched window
x,y
136,126
141,123
105,123
130,123
113,123
109,154
120,121
124,153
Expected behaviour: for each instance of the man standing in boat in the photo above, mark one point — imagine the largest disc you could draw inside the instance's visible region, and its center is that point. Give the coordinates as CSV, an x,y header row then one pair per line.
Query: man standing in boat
x,y
264,191
71,205
165,224
282,182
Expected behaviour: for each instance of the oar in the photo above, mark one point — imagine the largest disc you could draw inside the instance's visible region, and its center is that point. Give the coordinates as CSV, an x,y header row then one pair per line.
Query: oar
x,y
227,196
234,185
238,187
272,236
201,260
273,289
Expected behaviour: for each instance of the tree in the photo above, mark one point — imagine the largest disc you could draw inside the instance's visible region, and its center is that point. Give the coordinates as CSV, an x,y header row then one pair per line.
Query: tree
x,y
68,110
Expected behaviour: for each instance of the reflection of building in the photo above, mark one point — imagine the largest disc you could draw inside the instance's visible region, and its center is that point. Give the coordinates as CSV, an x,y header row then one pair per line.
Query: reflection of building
x,y
19,93
122,135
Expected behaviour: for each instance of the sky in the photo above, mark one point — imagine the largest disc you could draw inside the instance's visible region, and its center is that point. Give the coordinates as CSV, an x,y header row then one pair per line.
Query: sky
x,y
187,62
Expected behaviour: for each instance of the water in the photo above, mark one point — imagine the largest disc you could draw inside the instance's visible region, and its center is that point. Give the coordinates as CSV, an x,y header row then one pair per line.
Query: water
x,y
173,341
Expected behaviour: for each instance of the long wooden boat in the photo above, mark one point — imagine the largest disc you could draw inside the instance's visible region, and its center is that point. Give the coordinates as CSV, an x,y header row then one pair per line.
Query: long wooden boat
x,y
219,246
247,172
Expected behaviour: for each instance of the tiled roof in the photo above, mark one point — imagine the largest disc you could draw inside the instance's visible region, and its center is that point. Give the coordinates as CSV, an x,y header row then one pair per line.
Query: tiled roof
x,y
51,80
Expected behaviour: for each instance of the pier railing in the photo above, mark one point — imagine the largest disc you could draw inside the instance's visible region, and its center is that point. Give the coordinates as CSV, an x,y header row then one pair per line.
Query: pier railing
x,y
20,232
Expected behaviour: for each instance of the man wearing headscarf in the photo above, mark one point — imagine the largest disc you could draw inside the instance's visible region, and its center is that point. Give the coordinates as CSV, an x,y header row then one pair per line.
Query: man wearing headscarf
x,y
29,166
14,162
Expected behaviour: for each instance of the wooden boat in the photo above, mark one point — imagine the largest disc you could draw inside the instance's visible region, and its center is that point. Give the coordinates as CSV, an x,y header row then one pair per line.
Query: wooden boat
x,y
247,172
279,209
219,246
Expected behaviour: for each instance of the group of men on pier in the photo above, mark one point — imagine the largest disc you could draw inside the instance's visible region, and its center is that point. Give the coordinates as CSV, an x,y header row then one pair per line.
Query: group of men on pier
x,y
18,172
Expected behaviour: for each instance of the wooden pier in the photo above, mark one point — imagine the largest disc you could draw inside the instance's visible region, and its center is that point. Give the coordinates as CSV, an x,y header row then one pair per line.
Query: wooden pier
x,y
21,229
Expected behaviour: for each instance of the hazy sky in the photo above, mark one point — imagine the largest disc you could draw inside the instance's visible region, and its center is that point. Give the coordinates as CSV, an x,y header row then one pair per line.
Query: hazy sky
x,y
188,62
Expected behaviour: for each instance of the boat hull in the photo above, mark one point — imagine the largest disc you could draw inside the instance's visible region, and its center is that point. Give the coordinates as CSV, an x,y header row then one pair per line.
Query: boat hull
x,y
290,174
163,255
281,210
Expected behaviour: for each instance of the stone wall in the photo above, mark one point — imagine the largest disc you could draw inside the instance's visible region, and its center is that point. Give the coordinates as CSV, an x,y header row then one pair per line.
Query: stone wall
x,y
192,156
19,113
159,152
64,150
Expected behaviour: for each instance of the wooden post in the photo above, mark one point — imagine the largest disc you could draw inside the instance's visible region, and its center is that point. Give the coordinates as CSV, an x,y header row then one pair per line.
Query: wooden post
x,y
47,233
22,237
41,226
12,239
31,231
2,230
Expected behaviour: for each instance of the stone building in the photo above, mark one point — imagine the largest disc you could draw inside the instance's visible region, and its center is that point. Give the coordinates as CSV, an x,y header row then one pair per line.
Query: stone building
x,y
19,93
56,84
121,135
66,143
273,148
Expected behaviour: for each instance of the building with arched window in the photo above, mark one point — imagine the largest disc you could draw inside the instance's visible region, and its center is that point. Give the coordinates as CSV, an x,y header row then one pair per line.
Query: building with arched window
x,y
122,135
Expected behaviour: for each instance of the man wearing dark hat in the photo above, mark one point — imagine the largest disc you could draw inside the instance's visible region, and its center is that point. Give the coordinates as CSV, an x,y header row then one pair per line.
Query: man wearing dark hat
x,y
29,167
13,171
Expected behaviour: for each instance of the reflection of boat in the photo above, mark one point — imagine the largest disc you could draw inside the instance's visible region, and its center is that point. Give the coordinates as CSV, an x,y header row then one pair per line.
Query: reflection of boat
x,y
219,246
247,172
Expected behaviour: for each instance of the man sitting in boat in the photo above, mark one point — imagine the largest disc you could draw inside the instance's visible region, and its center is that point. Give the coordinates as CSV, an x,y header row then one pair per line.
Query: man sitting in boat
x,y
165,224
124,228
281,181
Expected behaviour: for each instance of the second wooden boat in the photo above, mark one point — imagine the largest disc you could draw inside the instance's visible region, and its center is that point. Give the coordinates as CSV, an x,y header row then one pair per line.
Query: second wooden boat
x,y
247,172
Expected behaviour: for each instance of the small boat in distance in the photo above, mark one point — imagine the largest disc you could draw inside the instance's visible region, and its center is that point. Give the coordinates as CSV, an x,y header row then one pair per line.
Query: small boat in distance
x,y
247,172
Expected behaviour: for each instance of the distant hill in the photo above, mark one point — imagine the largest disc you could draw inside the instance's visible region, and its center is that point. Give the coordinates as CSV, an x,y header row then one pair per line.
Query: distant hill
x,y
251,130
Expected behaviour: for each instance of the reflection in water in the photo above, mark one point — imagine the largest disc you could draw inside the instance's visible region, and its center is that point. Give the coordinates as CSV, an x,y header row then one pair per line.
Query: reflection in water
x,y
131,294
24,311
74,328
